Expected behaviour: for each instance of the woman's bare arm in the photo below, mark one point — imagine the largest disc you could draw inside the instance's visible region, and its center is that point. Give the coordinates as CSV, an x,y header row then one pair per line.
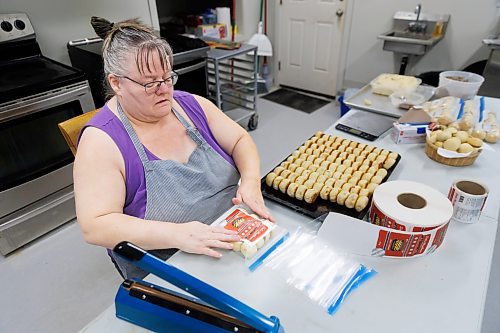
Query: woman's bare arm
x,y
240,145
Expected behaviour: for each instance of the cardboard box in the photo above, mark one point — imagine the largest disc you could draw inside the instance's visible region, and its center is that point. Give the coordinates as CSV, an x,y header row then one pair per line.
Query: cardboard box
x,y
411,127
406,133
218,31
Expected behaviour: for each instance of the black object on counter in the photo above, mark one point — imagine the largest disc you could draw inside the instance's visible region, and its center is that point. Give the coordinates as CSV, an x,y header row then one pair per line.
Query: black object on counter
x,y
88,58
189,63
320,206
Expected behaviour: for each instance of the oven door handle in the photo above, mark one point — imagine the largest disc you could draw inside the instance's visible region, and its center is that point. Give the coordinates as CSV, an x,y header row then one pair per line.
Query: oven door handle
x,y
44,101
191,68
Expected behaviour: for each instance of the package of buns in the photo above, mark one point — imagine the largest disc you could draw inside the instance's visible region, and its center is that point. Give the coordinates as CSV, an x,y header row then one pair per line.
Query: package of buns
x,y
330,169
385,84
254,232
466,116
489,130
469,115
443,111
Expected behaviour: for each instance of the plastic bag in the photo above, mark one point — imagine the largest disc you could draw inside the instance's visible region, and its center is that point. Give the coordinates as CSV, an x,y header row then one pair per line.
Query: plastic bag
x,y
479,123
309,265
259,237
470,114
490,126
444,110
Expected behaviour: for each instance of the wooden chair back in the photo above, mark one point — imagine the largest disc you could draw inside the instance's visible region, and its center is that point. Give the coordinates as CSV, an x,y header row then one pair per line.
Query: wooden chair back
x,y
71,128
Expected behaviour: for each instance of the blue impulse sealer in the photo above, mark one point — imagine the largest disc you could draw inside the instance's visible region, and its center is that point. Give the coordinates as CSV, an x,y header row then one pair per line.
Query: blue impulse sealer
x,y
163,310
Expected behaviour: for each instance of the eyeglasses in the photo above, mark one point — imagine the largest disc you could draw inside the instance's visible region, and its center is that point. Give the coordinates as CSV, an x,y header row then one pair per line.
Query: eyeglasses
x,y
153,86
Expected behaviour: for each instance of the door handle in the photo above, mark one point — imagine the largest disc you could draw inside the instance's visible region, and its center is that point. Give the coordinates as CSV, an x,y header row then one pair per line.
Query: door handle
x,y
45,101
339,12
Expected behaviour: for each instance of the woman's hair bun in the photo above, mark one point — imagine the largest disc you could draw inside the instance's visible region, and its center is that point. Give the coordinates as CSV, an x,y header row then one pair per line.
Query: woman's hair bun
x,y
102,27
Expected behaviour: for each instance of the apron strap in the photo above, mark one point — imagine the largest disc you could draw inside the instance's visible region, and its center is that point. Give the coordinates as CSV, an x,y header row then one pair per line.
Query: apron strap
x,y
132,134
192,132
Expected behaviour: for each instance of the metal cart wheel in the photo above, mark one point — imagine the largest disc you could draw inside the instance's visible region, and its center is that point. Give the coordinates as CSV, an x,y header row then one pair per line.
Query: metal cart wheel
x,y
253,122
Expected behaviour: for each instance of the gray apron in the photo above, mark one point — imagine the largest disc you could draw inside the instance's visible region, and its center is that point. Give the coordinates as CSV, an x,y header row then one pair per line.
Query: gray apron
x,y
200,190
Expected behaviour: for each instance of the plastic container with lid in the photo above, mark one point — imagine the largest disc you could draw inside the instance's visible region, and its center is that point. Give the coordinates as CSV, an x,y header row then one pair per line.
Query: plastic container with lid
x,y
459,84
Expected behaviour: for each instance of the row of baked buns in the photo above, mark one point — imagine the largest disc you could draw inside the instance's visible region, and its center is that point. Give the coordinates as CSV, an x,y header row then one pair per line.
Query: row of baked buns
x,y
333,169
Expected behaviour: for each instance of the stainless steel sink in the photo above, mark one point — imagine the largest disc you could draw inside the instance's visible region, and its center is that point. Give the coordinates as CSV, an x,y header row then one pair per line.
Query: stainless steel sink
x,y
401,38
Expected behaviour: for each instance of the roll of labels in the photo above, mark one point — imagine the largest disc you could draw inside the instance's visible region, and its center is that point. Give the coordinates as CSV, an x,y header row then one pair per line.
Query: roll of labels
x,y
406,219
468,198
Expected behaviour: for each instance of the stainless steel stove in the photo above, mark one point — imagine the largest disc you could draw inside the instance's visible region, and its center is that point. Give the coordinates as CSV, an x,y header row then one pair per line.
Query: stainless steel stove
x,y
36,93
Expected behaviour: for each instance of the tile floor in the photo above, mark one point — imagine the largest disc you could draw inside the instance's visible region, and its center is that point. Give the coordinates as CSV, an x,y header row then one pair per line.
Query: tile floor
x,y
58,283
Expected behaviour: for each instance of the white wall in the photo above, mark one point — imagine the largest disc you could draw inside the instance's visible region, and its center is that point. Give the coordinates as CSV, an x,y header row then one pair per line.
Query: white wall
x,y
58,21
471,21
247,18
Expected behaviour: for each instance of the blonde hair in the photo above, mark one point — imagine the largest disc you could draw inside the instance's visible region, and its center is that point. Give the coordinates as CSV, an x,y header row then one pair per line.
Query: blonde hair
x,y
132,37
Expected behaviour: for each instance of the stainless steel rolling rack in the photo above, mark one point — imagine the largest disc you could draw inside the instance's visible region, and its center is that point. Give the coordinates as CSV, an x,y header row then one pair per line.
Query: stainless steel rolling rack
x,y
232,82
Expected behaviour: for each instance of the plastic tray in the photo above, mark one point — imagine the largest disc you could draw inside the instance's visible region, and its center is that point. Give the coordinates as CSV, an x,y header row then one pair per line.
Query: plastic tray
x,y
319,207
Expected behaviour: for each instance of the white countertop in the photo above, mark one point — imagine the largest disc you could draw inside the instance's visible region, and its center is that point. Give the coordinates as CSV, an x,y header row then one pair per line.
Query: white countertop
x,y
441,292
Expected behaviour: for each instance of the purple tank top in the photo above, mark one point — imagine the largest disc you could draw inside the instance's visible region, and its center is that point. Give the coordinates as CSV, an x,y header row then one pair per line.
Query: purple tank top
x,y
135,182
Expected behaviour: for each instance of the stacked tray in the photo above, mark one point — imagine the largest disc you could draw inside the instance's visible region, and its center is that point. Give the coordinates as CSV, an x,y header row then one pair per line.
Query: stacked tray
x,y
329,174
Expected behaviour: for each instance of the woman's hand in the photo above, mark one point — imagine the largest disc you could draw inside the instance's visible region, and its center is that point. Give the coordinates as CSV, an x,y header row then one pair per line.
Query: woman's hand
x,y
249,193
199,238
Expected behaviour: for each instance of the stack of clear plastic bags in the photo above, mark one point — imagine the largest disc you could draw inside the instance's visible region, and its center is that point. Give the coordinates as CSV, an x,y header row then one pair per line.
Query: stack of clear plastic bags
x,y
309,265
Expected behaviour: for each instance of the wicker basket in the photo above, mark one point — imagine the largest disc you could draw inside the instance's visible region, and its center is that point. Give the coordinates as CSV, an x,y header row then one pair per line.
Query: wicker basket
x,y
431,151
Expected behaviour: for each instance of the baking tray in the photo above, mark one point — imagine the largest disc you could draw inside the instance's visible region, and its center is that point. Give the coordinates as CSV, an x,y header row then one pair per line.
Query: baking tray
x,y
321,206
380,103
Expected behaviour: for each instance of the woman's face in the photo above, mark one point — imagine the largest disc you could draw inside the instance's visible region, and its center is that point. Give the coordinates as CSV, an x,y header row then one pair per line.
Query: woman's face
x,y
153,102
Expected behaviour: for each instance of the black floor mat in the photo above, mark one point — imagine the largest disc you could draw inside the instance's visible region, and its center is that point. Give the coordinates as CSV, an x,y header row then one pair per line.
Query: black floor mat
x,y
296,100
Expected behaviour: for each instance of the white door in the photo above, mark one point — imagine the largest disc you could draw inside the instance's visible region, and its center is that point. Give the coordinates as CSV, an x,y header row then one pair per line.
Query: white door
x,y
310,33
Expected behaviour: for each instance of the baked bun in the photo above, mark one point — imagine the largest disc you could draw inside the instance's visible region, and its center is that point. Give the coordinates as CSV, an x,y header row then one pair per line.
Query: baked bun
x,y
311,195
361,203
351,200
270,178
342,196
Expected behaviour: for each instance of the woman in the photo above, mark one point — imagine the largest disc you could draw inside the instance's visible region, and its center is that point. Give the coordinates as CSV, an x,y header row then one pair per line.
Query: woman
x,y
155,166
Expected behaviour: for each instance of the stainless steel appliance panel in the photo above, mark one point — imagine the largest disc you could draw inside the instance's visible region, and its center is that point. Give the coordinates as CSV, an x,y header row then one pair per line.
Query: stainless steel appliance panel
x,y
30,190
33,221
40,102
